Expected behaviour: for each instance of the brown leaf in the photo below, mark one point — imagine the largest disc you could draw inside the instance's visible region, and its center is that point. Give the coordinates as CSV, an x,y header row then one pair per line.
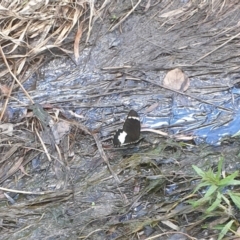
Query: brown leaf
x,y
4,89
59,130
176,80
77,40
171,225
172,13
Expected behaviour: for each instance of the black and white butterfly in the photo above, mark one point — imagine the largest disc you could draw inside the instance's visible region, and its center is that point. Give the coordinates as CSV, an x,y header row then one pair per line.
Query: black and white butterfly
x,y
130,132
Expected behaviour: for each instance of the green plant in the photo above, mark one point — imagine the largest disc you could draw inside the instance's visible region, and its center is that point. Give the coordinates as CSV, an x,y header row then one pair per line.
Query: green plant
x,y
218,195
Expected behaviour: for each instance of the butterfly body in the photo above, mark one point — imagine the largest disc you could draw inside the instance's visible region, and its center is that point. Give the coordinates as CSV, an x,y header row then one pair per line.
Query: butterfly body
x,y
130,132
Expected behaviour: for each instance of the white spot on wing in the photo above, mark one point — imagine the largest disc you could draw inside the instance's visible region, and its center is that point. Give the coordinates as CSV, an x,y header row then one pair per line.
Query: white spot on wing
x,y
132,117
122,137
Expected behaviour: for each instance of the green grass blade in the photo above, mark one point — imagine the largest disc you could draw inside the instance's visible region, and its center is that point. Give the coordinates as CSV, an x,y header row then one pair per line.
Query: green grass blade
x,y
216,203
199,202
210,191
219,172
200,185
225,229
228,180
235,198
199,171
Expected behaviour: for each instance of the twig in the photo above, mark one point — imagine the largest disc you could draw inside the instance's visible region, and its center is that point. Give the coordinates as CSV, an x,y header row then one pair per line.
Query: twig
x,y
174,232
19,83
155,131
125,17
178,137
103,155
182,93
6,102
96,230
216,48
44,146
24,192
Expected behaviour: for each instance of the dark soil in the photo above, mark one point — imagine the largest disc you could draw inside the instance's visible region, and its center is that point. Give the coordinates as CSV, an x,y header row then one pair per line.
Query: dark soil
x,y
91,190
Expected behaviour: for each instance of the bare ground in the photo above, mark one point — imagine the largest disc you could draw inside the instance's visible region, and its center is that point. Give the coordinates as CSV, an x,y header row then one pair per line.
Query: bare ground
x,y
77,185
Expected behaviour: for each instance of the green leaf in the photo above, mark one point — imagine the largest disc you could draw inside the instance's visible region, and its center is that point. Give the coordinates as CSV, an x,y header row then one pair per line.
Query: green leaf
x,y
235,193
210,177
226,200
235,182
225,229
192,202
235,198
199,171
216,203
227,180
219,172
199,202
200,185
210,191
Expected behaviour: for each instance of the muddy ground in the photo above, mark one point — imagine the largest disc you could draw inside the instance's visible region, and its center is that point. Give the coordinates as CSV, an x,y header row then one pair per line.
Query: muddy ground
x,y
92,190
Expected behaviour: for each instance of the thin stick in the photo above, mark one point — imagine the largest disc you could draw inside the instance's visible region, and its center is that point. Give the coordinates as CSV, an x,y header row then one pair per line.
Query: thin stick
x,y
182,93
103,155
44,146
19,83
125,17
216,48
24,192
6,102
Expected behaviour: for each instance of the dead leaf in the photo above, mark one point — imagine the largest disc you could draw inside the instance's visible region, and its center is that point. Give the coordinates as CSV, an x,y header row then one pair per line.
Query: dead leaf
x,y
77,40
176,80
4,89
59,130
171,225
172,13
23,171
74,114
6,128
5,116
152,107
237,234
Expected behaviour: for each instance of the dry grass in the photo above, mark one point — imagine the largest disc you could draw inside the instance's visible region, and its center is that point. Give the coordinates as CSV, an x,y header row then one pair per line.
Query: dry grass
x,y
31,28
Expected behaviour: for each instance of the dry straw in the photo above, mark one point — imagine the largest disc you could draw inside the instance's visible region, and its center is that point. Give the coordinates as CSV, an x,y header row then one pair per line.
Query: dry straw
x,y
30,28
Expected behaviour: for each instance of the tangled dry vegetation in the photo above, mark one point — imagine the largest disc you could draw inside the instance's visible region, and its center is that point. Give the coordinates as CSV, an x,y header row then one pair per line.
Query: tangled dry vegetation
x,y
31,31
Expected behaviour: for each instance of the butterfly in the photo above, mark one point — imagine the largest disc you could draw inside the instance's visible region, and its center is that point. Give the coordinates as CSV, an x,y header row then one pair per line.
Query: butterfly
x,y
130,133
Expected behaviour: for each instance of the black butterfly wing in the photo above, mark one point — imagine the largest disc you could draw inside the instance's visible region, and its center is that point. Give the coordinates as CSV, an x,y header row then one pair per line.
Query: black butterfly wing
x,y
117,137
130,132
132,127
